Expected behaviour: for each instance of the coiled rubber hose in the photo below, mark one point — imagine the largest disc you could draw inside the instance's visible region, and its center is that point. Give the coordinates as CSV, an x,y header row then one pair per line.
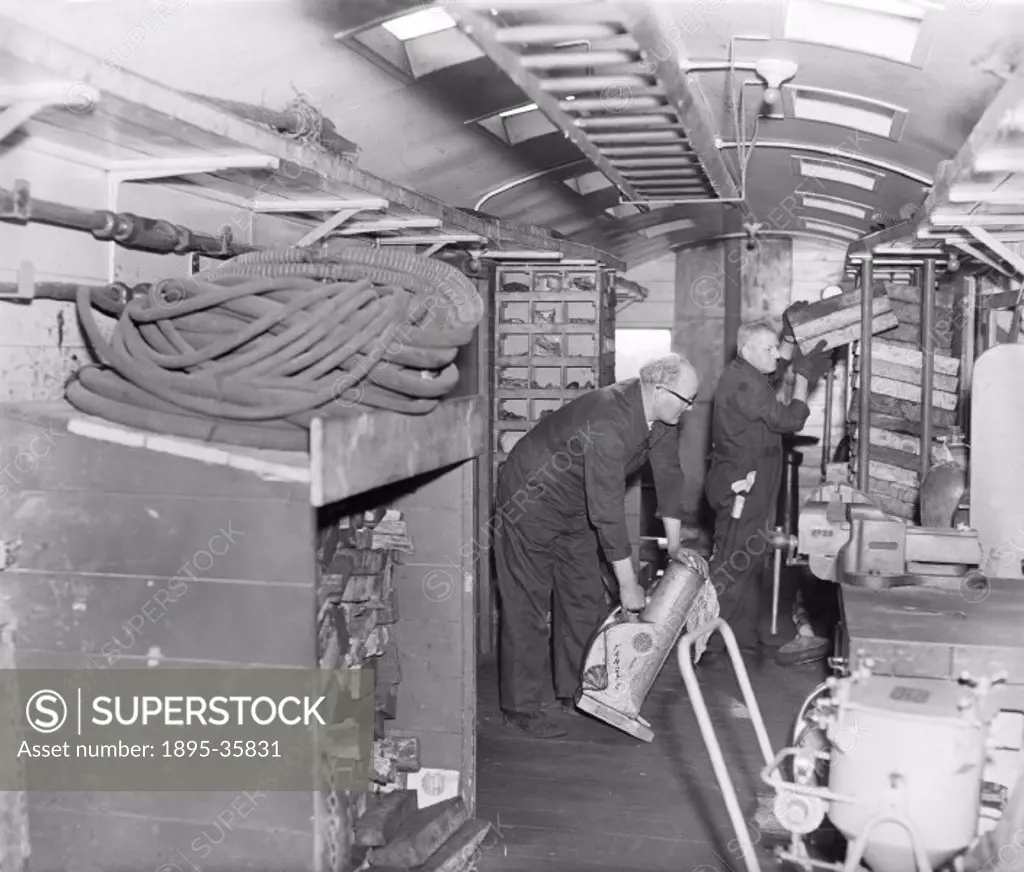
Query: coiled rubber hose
x,y
250,352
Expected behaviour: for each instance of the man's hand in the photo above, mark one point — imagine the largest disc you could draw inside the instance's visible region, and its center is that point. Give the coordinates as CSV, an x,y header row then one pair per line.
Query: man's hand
x,y
632,597
814,364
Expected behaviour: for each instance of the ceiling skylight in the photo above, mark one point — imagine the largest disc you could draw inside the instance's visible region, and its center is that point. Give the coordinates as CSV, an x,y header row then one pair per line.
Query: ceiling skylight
x,y
837,171
519,110
422,22
891,29
830,229
845,110
835,204
671,227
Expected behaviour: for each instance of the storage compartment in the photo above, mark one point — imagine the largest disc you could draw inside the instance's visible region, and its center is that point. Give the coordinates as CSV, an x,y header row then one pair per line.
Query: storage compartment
x,y
548,345
580,377
515,313
580,312
544,407
548,312
513,410
512,377
546,377
581,345
515,345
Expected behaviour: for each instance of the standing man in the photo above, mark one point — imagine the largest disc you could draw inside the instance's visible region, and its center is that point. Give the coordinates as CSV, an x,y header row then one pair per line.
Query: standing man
x,y
743,481
561,502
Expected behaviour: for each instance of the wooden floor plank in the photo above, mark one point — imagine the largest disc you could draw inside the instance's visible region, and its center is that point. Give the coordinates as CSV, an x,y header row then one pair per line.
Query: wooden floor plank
x,y
600,801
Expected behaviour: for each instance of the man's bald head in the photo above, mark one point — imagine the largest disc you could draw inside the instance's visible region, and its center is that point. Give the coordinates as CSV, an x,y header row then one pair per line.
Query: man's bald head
x,y
670,385
757,342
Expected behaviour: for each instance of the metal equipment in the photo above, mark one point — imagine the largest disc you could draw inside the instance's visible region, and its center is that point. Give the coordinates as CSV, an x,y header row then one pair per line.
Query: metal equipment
x,y
895,763
625,657
847,538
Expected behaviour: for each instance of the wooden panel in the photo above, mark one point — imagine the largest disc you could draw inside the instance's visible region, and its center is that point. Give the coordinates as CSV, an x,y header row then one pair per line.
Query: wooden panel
x,y
767,277
62,839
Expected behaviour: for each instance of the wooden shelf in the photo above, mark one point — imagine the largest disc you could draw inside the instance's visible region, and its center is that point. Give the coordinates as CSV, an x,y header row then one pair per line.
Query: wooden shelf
x,y
347,456
136,123
350,456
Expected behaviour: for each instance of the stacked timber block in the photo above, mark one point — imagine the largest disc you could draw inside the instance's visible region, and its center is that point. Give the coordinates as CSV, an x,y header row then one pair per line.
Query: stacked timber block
x,y
836,320
894,431
384,827
393,834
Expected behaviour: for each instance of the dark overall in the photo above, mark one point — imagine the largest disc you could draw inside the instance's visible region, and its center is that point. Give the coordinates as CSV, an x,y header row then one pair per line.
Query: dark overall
x,y
560,497
746,434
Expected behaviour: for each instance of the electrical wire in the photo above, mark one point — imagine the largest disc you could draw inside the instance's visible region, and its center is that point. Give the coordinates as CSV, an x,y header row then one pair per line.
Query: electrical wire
x,y
250,352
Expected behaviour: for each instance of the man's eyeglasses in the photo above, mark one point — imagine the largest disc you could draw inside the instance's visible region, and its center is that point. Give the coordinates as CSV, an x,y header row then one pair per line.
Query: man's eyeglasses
x,y
686,401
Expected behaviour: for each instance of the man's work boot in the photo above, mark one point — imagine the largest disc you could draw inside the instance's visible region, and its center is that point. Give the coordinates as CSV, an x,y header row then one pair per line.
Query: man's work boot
x,y
804,648
537,725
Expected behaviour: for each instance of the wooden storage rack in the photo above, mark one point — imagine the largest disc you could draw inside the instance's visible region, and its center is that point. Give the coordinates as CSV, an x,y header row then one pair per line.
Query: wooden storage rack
x,y
554,339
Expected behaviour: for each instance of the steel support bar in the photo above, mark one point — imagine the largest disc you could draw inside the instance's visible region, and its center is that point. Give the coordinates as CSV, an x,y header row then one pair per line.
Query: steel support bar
x,y
927,364
650,27
867,284
485,34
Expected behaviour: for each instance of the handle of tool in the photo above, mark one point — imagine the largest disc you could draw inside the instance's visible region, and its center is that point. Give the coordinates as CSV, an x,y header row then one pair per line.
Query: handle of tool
x,y
776,584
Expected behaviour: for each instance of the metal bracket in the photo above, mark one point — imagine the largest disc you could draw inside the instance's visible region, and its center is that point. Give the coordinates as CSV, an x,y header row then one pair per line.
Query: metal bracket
x,y
24,101
22,202
436,243
343,211
26,289
999,248
163,168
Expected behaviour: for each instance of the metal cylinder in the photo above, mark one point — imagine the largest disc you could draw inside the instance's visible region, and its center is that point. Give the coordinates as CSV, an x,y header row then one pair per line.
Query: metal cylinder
x,y
910,748
864,418
927,365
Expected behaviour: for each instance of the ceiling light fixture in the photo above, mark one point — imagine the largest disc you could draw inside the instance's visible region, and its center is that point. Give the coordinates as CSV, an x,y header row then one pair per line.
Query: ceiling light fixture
x,y
774,72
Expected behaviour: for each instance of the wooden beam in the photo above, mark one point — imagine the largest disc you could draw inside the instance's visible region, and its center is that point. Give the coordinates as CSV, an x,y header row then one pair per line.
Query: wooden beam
x,y
37,49
350,456
650,27
485,34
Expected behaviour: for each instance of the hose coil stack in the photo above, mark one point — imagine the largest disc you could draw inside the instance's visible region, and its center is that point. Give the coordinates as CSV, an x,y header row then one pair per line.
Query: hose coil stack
x,y
250,352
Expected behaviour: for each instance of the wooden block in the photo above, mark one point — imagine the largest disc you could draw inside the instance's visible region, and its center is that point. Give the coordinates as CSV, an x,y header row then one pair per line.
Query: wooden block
x,y
912,333
422,834
358,561
837,319
901,459
354,588
384,816
942,323
888,387
838,338
906,511
883,348
905,479
404,750
458,854
900,442
944,297
826,315
898,372
384,770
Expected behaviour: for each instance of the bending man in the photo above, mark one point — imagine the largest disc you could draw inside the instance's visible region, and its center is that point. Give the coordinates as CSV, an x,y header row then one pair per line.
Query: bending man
x,y
561,502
